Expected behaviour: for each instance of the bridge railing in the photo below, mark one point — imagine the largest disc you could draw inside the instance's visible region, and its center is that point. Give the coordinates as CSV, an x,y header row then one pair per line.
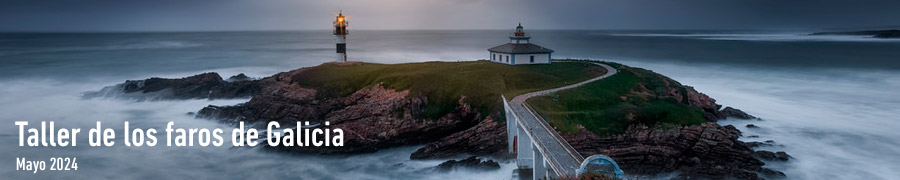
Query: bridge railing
x,y
559,163
539,147
571,150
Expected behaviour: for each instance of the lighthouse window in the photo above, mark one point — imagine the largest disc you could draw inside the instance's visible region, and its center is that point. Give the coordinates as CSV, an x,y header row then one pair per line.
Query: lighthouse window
x,y
532,58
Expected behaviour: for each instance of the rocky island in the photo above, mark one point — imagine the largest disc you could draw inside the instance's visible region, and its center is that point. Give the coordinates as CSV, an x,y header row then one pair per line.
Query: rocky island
x,y
647,122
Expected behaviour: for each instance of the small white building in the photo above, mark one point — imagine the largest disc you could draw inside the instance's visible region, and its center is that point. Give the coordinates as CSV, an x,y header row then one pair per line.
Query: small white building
x,y
520,51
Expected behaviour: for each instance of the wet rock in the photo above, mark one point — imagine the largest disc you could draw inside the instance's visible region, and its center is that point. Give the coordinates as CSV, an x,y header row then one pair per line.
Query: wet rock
x,y
688,95
239,77
488,138
201,86
736,113
755,144
705,103
667,87
373,118
469,163
771,173
752,126
707,150
753,136
772,156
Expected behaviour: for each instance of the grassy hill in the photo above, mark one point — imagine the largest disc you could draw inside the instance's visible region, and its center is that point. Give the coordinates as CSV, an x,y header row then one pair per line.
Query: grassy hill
x,y
482,82
610,105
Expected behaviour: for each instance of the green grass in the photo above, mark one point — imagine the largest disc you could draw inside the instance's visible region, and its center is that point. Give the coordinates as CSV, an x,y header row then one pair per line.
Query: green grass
x,y
482,82
609,106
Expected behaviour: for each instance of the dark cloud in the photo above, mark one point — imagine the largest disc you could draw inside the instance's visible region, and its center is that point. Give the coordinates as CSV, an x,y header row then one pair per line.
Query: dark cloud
x,y
198,15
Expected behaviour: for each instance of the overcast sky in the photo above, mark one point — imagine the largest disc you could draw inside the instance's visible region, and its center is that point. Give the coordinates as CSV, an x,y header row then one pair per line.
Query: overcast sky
x,y
216,15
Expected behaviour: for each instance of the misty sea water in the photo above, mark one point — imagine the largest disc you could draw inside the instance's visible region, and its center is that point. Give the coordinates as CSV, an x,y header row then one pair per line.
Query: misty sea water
x,y
831,102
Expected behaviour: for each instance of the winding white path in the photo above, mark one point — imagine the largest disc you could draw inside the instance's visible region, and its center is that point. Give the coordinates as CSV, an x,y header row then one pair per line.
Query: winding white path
x,y
520,99
563,158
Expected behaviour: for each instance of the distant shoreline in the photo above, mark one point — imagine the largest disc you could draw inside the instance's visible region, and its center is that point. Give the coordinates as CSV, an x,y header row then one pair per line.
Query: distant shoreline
x,y
885,34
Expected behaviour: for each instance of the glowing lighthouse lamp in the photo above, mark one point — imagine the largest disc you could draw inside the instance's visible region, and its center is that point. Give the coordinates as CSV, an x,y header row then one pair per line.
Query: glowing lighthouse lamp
x,y
340,33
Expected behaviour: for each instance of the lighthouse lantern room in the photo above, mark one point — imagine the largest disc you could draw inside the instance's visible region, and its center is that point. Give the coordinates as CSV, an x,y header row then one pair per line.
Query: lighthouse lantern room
x,y
340,34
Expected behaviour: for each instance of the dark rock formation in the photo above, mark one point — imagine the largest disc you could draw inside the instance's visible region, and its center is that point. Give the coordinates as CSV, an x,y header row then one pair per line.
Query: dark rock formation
x,y
275,102
707,104
488,138
752,126
754,144
771,173
469,163
371,119
206,85
772,156
707,150
239,77
689,96
736,113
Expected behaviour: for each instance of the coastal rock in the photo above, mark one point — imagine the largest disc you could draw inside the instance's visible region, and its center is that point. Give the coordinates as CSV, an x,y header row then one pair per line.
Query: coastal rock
x,y
752,126
285,103
754,144
736,113
371,119
705,103
469,163
771,173
689,96
206,86
772,156
706,150
239,77
488,138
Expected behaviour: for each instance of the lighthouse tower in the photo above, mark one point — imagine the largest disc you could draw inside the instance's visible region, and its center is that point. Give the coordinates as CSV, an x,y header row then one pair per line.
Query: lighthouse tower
x,y
340,34
520,51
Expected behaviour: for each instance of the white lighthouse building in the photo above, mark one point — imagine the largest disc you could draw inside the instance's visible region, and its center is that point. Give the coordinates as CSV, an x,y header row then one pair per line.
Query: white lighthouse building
x,y
520,51
340,33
